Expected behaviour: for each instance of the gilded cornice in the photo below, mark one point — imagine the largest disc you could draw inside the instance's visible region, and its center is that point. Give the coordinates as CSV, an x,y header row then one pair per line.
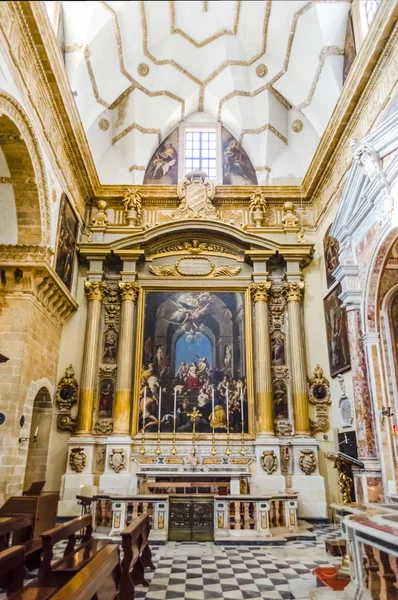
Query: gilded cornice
x,y
31,47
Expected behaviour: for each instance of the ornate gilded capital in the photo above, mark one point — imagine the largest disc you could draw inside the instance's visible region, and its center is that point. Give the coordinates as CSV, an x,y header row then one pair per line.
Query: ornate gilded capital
x,y
260,291
129,290
95,290
294,291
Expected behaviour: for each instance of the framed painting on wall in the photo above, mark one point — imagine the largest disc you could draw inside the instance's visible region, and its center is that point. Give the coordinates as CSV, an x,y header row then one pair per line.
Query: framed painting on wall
x,y
193,344
67,240
331,253
336,333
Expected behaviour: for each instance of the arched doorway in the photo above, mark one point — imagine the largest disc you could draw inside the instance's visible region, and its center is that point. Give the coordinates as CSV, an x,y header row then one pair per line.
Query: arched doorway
x,y
36,463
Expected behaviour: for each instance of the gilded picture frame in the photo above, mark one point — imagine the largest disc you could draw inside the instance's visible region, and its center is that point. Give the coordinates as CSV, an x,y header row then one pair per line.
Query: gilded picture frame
x,y
336,332
136,422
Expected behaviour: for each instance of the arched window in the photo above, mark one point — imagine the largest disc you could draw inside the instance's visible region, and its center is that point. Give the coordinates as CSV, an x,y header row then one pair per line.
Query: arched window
x,y
371,7
394,331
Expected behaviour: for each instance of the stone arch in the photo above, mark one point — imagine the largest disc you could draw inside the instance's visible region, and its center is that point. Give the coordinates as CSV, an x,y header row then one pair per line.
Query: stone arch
x,y
42,413
27,174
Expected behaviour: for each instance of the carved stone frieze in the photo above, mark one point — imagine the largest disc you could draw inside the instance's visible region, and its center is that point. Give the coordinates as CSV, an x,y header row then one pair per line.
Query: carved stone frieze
x,y
100,218
269,462
132,201
107,371
66,396
307,461
280,373
117,460
112,315
27,254
196,193
257,208
103,426
260,291
128,290
111,294
195,247
276,308
100,457
283,428
289,219
77,459
193,266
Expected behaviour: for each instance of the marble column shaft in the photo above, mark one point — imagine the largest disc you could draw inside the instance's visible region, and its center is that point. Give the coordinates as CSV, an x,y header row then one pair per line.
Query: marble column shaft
x,y
294,296
95,291
121,415
262,359
362,398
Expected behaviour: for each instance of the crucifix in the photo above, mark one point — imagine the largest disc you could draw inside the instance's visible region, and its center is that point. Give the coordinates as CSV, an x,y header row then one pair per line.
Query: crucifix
x,y
195,414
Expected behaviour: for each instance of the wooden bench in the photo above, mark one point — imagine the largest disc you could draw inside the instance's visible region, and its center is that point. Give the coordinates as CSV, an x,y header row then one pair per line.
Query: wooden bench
x,y
136,557
41,508
12,570
21,529
74,558
99,579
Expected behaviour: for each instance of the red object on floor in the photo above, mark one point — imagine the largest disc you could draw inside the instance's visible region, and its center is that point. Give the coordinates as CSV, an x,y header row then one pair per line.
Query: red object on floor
x,y
327,577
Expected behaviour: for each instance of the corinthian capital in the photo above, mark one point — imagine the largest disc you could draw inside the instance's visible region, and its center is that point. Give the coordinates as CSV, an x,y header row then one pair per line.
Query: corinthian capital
x,y
95,290
294,291
129,290
259,291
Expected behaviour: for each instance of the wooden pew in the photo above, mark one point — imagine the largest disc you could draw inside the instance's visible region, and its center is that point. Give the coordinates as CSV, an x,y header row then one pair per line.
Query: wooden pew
x,y
21,529
41,508
136,556
75,557
12,572
99,579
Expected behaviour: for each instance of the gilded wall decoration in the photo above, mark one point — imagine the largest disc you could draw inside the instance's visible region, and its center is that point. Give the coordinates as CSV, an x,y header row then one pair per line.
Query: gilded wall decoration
x,y
194,267
283,428
331,249
112,315
257,208
297,126
100,458
196,193
289,218
132,201
77,459
276,307
337,332
66,244
261,70
66,396
307,461
237,166
269,462
163,166
117,460
319,396
100,219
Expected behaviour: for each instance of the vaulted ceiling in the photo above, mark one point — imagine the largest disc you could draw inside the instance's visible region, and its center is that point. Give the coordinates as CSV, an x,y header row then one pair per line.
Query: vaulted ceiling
x,y
270,71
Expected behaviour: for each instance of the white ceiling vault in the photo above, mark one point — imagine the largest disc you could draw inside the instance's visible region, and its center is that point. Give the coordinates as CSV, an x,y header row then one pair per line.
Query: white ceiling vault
x,y
140,68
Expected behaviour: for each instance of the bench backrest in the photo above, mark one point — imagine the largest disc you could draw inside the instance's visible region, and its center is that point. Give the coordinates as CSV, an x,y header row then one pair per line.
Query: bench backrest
x,y
134,544
12,563
99,579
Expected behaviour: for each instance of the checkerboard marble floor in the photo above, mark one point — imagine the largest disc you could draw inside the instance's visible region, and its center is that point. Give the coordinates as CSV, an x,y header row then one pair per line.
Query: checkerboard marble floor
x,y
204,571
208,572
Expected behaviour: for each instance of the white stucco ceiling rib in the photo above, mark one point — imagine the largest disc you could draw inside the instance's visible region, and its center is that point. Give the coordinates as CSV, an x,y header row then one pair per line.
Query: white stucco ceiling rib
x,y
138,68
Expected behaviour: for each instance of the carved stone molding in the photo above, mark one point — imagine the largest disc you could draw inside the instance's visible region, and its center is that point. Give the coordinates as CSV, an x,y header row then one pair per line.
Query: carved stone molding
x,y
258,206
294,291
132,201
260,291
128,290
77,459
276,307
289,219
283,428
112,315
307,461
95,290
26,254
193,266
268,461
117,460
66,396
39,281
107,371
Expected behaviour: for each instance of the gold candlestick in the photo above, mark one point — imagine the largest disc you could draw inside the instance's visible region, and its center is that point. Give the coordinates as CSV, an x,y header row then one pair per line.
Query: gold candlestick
x,y
158,450
228,449
173,450
142,449
243,449
213,444
194,415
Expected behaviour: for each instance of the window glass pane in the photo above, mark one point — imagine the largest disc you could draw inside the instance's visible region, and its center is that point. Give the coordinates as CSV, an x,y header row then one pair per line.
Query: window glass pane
x,y
205,153
196,164
188,135
188,153
196,136
196,145
201,152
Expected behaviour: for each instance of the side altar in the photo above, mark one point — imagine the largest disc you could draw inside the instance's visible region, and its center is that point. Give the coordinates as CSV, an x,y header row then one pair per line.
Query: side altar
x,y
194,376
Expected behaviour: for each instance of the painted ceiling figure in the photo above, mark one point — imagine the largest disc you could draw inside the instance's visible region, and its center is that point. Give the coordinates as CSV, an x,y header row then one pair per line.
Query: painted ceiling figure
x,y
164,160
236,161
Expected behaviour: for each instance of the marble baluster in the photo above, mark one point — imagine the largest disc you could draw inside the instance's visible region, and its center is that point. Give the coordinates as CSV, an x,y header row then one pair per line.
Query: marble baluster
x,y
95,291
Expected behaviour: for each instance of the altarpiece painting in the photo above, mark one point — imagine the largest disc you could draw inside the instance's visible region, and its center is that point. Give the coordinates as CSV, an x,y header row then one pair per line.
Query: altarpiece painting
x,y
193,355
67,238
337,333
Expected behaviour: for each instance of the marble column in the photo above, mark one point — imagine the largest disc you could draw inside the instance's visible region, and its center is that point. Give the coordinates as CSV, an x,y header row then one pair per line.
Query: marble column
x,y
95,291
294,297
262,359
121,416
363,404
